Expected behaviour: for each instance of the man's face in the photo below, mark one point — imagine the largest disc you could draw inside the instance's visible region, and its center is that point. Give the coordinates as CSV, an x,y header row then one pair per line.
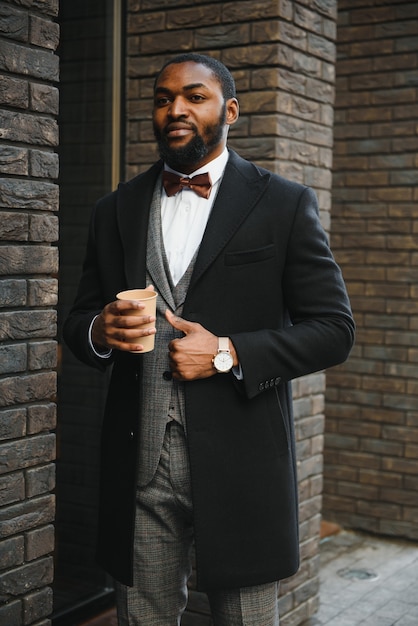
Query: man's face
x,y
190,116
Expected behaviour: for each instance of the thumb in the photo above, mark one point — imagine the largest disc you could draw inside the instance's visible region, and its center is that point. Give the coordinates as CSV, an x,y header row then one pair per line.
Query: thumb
x,y
178,322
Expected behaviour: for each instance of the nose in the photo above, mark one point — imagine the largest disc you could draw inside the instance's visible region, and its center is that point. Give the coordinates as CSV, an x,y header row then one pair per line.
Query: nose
x,y
178,107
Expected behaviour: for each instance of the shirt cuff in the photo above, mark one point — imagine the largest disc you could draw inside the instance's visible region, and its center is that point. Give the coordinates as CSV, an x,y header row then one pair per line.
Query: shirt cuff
x,y
237,372
101,355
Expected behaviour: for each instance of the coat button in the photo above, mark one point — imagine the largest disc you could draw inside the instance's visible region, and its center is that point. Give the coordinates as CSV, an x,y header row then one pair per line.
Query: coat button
x,y
261,386
167,375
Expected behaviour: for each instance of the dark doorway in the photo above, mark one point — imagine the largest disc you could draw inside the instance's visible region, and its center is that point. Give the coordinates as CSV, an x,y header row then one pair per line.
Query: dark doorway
x,y
87,103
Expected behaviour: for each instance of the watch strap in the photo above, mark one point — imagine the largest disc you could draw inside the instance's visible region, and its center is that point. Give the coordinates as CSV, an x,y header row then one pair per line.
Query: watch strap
x,y
223,344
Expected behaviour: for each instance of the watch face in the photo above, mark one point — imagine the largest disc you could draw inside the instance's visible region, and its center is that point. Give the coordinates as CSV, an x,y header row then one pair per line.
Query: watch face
x,y
223,361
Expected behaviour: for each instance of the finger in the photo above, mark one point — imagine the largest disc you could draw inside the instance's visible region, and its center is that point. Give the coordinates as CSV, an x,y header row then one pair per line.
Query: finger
x,y
132,321
122,307
129,339
178,322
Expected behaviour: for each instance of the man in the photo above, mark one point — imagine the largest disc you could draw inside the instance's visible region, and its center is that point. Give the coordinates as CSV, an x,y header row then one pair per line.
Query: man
x,y
198,444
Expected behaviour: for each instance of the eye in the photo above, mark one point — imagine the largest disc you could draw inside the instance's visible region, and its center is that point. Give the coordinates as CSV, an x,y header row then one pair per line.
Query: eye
x,y
197,97
162,101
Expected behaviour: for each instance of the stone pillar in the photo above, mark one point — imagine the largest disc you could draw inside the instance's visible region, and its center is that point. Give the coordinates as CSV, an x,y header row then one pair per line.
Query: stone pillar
x,y
282,56
28,294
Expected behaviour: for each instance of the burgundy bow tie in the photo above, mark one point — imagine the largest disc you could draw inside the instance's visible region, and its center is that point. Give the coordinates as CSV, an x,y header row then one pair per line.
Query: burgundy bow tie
x,y
200,184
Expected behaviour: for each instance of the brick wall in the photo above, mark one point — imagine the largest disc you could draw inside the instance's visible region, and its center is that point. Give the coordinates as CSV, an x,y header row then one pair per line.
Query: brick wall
x,y
28,294
372,401
282,57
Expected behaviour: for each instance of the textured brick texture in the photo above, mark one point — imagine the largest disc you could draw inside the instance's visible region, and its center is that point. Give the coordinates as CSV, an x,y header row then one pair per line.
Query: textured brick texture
x,y
28,295
370,477
282,56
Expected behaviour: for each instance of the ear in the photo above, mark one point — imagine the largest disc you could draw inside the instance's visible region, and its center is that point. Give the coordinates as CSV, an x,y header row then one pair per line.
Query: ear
x,y
232,111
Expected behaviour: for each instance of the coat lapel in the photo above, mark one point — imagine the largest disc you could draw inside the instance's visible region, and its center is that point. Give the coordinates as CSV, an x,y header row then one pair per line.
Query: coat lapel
x,y
133,209
155,247
242,186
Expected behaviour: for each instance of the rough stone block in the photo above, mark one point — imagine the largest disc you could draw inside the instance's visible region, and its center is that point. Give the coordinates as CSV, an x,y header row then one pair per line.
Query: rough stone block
x,y
12,488
44,98
13,292
22,389
223,36
42,355
14,92
308,19
26,515
11,613
144,22
43,228
13,226
194,17
28,577
27,452
41,417
14,24
258,55
256,10
40,480
12,423
34,195
259,102
30,129
33,62
39,542
172,40
13,358
11,555
43,164
28,260
37,605
265,31
42,292
14,160
44,33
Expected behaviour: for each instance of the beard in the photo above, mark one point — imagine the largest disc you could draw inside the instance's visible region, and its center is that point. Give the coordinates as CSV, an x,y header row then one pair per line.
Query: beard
x,y
196,149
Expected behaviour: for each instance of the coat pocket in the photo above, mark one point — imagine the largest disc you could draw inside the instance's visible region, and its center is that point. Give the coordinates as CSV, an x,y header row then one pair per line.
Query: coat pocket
x,y
242,257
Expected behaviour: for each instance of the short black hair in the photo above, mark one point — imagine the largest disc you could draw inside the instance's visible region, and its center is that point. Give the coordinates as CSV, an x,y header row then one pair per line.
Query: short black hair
x,y
219,70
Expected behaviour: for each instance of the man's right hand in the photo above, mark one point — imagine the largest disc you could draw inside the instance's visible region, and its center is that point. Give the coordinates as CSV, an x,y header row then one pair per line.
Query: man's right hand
x,y
115,328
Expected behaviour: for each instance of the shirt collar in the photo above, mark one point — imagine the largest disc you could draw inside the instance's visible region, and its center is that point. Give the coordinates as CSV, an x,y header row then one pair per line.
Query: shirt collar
x,y
215,168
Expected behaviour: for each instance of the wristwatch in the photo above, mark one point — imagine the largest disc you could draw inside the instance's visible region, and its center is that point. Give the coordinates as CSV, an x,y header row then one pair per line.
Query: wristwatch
x,y
223,361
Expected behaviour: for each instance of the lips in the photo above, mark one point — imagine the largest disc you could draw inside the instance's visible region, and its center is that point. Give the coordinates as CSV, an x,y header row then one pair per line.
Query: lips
x,y
178,130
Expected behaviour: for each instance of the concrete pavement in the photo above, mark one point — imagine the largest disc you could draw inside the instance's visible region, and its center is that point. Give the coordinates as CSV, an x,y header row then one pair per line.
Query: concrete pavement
x,y
367,581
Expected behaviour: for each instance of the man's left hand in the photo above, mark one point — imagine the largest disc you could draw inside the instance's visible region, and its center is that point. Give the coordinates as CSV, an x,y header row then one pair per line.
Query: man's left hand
x,y
191,356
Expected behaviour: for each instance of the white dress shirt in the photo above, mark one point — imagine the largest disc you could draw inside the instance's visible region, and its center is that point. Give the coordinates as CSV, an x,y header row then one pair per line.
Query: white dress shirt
x,y
185,215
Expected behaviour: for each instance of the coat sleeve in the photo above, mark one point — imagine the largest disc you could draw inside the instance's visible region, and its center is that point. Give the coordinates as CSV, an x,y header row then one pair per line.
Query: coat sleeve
x,y
89,302
319,328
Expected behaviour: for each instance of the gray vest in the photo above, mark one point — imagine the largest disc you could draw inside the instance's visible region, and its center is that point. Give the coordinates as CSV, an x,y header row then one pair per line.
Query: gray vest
x,y
162,399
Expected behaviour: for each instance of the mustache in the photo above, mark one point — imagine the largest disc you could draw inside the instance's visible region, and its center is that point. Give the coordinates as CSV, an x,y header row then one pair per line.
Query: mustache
x,y
177,126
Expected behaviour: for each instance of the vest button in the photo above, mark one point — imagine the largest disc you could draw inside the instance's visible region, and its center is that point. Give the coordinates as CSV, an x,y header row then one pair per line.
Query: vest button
x,y
167,375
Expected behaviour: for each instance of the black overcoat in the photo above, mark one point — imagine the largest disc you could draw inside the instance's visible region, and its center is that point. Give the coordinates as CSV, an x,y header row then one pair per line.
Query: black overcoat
x,y
264,276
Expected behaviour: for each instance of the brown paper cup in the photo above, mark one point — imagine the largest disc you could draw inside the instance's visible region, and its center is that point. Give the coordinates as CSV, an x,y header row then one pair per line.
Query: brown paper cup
x,y
149,298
